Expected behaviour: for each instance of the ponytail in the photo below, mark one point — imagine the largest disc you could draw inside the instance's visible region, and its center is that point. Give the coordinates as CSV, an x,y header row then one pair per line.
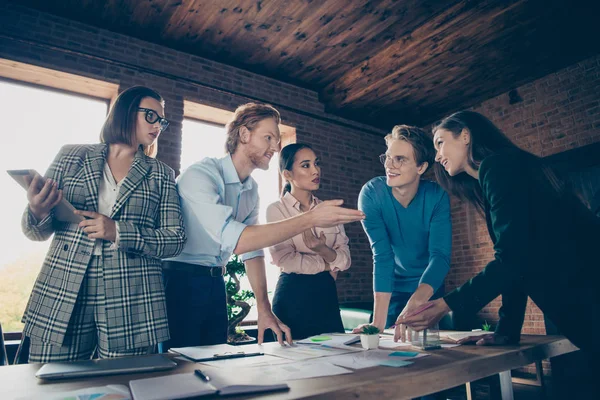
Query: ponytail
x,y
287,187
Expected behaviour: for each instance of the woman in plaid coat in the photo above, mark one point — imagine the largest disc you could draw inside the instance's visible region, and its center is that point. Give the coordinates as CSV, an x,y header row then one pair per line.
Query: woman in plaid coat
x,y
100,289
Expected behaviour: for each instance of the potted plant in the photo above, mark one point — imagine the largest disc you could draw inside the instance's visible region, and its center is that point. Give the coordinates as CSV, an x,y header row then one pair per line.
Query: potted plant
x,y
237,304
486,327
369,337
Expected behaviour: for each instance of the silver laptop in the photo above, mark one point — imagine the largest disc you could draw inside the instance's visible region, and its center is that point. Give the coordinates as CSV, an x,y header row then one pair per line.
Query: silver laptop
x,y
107,366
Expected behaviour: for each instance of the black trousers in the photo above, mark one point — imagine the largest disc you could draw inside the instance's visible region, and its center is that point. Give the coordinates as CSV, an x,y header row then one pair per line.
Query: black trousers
x,y
308,304
574,375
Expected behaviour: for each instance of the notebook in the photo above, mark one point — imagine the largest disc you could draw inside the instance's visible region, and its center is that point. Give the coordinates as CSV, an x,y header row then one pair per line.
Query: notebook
x,y
455,336
211,353
106,366
183,386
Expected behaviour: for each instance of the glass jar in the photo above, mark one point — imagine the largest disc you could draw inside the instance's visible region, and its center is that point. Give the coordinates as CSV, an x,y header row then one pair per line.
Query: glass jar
x,y
426,339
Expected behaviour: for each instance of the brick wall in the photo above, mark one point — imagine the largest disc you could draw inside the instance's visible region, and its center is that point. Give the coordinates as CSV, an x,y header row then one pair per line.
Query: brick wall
x,y
349,149
558,112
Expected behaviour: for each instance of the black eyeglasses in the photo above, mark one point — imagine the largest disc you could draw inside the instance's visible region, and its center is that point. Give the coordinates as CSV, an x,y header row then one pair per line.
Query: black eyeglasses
x,y
152,117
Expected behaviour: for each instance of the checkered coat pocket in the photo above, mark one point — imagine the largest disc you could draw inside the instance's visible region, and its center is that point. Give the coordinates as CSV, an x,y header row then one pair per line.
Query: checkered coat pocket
x,y
148,214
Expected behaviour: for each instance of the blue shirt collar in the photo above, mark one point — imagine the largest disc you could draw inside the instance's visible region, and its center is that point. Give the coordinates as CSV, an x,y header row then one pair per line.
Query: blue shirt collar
x,y
231,176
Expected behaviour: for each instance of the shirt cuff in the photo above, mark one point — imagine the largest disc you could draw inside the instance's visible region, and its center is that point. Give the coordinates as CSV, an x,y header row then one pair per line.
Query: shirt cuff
x,y
115,244
434,282
339,264
231,235
253,254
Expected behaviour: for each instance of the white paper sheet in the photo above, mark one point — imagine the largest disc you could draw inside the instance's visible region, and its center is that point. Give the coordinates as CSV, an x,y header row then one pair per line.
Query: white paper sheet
x,y
449,345
245,361
297,352
111,392
300,370
457,335
199,352
387,342
367,359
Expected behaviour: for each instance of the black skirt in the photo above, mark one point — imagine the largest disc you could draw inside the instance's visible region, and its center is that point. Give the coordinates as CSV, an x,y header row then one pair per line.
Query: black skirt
x,y
308,304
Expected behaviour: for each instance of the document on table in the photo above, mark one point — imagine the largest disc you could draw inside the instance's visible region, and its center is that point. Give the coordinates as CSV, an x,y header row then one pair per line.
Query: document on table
x,y
449,345
297,352
387,342
455,336
368,358
331,339
214,352
108,392
299,370
246,361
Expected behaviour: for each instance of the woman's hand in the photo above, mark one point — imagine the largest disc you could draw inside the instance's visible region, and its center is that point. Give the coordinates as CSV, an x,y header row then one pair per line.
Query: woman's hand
x,y
42,197
485,340
312,242
425,318
98,226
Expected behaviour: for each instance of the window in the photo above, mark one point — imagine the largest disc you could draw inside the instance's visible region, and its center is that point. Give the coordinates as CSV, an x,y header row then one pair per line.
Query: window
x,y
36,123
206,139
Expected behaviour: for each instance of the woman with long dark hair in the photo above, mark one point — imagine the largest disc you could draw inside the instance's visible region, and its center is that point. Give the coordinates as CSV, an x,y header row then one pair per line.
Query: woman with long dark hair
x,y
544,238
100,289
306,298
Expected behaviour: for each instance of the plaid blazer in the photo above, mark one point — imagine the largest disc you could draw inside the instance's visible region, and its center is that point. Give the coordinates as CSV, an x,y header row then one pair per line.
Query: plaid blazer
x,y
148,214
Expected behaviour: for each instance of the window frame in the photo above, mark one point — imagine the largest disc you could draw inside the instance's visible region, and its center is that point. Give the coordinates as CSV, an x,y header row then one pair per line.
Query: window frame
x,y
54,81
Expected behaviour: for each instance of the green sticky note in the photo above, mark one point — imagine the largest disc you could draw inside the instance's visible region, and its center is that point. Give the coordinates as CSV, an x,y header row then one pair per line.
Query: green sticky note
x,y
320,338
404,354
395,363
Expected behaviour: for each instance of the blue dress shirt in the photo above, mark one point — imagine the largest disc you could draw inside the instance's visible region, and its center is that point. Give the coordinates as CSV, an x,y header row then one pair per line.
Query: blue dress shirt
x,y
216,208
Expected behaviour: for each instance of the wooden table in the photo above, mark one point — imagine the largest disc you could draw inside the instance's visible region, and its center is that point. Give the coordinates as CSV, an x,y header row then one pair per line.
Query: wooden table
x,y
444,369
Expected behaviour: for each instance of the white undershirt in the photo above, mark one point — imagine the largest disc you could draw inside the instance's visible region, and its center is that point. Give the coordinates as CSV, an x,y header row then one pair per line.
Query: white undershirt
x,y
107,197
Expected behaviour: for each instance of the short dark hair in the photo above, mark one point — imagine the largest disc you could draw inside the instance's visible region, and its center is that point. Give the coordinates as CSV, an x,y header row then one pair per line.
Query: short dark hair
x,y
120,124
420,141
248,115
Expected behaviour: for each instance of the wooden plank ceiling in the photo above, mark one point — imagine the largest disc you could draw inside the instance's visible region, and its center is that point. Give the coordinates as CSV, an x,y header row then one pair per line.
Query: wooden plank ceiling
x,y
382,61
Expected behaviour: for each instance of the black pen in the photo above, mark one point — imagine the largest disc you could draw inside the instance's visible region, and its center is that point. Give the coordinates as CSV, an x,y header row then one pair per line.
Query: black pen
x,y
236,355
201,375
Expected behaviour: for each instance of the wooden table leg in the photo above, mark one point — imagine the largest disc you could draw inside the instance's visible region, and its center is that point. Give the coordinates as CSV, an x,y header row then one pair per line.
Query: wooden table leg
x,y
539,371
501,386
506,386
469,393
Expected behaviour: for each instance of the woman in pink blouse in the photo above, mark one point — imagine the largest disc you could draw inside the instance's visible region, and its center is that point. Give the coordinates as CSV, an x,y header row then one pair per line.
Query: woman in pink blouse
x,y
306,298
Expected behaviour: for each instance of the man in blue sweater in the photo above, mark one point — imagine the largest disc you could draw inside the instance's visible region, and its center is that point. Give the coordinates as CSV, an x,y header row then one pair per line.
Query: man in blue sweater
x,y
407,221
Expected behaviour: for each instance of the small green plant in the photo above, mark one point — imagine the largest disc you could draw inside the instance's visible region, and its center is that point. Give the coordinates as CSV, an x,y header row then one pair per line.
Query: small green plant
x,y
486,327
369,330
237,305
